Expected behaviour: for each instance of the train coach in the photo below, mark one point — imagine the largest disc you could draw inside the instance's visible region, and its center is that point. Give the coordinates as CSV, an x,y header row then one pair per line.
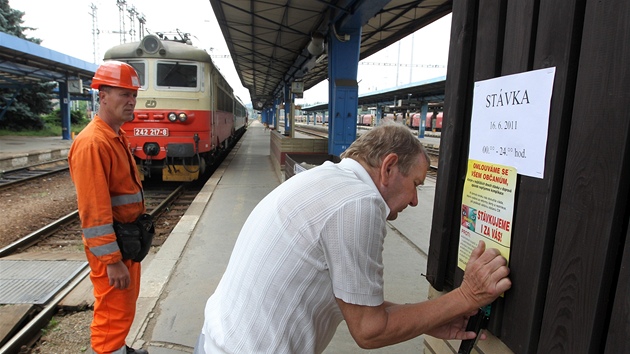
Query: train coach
x,y
366,120
186,112
433,121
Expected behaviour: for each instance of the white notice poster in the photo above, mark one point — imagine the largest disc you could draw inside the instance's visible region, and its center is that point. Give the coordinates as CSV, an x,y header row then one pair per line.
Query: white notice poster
x,y
510,119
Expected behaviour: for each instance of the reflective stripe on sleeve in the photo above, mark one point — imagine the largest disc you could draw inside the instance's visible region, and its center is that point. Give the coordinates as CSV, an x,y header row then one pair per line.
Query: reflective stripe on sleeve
x,y
126,199
97,231
104,249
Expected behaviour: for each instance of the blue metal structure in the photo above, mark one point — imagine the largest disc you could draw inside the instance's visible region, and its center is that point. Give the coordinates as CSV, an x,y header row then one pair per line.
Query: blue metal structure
x,y
343,61
24,63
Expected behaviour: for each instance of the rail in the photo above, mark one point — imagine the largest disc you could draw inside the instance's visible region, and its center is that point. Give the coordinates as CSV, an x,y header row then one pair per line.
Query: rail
x,y
23,174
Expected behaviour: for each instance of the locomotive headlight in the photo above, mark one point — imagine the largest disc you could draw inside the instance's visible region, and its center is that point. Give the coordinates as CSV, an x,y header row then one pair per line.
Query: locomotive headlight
x,y
172,116
151,44
151,149
182,117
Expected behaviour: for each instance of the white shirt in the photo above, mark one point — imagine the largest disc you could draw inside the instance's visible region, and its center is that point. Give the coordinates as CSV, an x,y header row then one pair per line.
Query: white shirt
x,y
316,237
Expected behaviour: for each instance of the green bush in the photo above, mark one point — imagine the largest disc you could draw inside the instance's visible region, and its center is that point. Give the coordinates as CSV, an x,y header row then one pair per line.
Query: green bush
x,y
47,125
17,118
77,117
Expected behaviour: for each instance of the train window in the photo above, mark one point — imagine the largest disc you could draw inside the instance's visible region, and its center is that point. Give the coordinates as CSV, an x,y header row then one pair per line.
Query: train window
x,y
224,101
176,74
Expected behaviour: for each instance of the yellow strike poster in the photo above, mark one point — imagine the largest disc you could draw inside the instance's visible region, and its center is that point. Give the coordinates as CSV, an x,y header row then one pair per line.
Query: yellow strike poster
x,y
487,209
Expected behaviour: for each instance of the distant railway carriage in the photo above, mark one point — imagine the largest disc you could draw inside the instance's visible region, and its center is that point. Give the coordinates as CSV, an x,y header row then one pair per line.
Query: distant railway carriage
x,y
366,119
433,121
319,119
186,112
370,119
396,117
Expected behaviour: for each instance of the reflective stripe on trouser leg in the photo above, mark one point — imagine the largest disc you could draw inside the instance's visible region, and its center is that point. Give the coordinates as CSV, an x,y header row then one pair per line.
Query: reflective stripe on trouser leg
x,y
114,309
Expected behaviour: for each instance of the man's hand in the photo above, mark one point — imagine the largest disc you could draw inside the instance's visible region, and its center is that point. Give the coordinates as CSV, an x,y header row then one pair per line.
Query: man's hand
x,y
118,275
455,329
486,276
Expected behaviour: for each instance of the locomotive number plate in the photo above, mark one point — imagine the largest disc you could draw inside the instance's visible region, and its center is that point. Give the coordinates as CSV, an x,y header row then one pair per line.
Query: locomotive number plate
x,y
150,131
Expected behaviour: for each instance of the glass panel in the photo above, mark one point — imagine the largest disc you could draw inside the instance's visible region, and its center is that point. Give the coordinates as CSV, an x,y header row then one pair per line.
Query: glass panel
x,y
140,69
176,75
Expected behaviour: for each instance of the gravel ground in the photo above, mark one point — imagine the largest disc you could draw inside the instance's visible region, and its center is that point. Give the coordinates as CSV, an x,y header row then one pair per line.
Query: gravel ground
x,y
67,333
28,207
24,209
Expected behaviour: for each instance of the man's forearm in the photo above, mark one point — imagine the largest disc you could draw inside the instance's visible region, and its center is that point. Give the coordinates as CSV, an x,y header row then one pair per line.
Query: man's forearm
x,y
393,323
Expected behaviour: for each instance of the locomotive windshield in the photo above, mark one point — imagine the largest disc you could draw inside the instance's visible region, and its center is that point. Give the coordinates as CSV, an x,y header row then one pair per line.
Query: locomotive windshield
x,y
175,74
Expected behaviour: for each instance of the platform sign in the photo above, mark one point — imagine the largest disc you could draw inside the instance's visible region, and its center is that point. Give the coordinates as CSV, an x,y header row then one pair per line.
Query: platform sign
x,y
297,87
487,209
510,120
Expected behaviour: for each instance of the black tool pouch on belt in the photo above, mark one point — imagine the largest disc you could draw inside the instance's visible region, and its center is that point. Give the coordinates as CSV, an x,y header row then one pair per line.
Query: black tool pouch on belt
x,y
145,223
134,239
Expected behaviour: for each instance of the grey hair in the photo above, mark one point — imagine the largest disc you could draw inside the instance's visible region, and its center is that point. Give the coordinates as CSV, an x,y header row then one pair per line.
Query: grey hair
x,y
388,138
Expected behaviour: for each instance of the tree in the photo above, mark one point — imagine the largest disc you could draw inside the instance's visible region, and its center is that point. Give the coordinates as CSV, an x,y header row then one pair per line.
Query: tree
x,y
25,104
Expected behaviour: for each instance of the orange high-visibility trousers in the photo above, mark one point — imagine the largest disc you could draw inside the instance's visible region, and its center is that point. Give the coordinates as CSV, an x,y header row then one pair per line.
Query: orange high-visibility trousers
x,y
114,309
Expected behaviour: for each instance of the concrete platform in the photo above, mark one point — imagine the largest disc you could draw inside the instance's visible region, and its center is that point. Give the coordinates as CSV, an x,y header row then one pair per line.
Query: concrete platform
x,y
177,282
21,151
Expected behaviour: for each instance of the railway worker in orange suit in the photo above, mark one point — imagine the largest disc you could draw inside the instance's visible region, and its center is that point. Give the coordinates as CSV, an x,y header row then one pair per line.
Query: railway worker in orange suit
x,y
110,195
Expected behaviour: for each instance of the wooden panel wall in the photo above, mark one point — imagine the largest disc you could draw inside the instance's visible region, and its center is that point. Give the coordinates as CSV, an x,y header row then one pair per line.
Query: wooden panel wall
x,y
570,292
619,328
455,131
549,37
594,205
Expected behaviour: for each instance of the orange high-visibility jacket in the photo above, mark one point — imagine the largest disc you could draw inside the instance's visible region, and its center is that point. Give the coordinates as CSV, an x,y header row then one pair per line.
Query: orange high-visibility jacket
x,y
108,186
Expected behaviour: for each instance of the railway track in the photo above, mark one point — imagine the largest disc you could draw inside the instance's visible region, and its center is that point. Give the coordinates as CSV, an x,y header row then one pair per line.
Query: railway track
x,y
432,173
66,231
167,204
12,177
312,131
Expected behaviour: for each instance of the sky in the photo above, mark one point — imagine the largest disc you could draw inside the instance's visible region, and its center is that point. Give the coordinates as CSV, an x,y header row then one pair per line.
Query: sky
x,y
420,56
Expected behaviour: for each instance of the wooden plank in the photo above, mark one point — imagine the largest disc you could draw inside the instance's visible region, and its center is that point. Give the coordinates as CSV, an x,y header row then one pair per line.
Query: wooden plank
x,y
489,43
488,50
80,298
520,34
487,65
619,327
595,187
455,135
13,317
48,256
557,44
488,47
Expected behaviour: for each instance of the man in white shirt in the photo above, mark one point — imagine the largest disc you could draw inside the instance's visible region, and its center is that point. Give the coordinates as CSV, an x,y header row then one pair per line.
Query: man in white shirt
x,y
310,255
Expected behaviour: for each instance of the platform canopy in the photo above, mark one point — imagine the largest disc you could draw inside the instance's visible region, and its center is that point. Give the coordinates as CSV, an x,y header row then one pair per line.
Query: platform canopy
x,y
269,40
23,62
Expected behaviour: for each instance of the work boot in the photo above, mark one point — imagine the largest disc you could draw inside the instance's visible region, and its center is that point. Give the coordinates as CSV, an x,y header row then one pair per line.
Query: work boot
x,y
130,350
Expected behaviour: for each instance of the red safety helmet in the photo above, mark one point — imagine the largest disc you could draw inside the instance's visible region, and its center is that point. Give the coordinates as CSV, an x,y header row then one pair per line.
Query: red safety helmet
x,y
117,74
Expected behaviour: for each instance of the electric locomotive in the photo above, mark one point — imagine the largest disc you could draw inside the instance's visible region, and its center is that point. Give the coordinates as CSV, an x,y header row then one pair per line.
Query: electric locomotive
x,y
186,112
